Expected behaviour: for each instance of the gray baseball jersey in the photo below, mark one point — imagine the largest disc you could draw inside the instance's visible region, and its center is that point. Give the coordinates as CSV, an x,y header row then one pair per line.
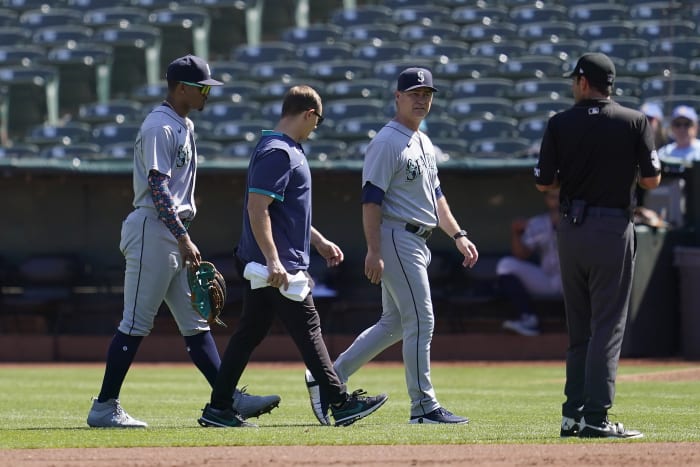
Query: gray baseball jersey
x,y
166,143
401,162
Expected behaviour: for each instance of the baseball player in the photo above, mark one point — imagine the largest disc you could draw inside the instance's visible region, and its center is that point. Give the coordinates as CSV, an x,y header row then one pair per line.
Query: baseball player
x,y
596,152
157,247
402,203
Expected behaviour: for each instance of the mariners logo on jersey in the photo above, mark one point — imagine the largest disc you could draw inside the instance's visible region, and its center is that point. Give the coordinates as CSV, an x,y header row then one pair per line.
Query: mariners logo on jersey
x,y
184,155
416,167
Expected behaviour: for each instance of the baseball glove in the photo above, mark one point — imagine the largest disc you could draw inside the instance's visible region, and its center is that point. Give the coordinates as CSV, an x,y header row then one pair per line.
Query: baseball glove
x,y
208,292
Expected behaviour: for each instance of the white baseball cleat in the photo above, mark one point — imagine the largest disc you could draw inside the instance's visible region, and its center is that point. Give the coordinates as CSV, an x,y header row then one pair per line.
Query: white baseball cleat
x,y
110,414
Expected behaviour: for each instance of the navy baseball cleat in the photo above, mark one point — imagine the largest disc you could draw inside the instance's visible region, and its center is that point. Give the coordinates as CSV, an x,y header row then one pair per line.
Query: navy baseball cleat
x,y
355,407
569,427
248,405
606,429
439,415
318,405
222,418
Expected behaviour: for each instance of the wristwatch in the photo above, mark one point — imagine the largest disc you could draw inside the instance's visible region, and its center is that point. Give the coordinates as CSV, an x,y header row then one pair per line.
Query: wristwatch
x,y
461,233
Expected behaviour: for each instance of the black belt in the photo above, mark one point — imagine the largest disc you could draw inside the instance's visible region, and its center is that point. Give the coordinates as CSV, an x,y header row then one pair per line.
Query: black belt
x,y
595,211
422,232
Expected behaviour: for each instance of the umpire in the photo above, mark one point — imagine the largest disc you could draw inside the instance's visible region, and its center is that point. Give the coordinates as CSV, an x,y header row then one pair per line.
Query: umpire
x,y
595,152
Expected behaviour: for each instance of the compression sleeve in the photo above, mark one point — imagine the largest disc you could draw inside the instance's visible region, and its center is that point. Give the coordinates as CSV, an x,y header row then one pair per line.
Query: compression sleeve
x,y
438,192
372,194
163,201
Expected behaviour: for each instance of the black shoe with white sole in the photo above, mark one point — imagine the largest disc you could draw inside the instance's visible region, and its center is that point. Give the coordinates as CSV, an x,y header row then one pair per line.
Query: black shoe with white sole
x,y
606,429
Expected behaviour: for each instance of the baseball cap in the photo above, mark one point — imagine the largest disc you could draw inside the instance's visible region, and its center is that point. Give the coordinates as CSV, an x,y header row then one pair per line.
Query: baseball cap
x,y
412,78
684,111
598,69
192,69
652,110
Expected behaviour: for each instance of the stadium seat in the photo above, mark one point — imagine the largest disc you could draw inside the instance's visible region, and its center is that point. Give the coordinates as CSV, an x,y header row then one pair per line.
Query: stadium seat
x,y
552,87
357,149
587,12
320,51
435,33
105,134
540,106
440,51
421,14
683,47
136,56
500,50
627,86
319,33
67,34
228,27
564,49
81,151
658,29
482,87
632,102
150,93
362,14
496,31
656,10
10,35
369,33
623,48
361,128
268,71
364,87
240,130
532,66
44,17
22,55
87,5
342,109
184,30
468,67
115,16
117,111
123,151
451,148
659,86
495,126
8,18
671,102
532,128
238,150
389,70
87,64
657,65
325,149
19,150
382,51
234,91
32,96
538,12
265,52
209,150
65,134
273,91
468,107
549,29
602,30
500,148
437,126
215,112
229,70
478,13
335,70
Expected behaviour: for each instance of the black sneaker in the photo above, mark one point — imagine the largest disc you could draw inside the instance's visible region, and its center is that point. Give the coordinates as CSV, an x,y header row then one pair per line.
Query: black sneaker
x,y
222,418
606,429
570,426
439,415
355,407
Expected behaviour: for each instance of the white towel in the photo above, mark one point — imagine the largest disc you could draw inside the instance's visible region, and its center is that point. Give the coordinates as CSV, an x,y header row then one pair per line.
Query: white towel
x,y
257,274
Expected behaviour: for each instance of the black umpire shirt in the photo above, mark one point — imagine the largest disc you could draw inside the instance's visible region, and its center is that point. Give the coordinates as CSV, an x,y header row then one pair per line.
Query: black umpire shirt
x,y
597,149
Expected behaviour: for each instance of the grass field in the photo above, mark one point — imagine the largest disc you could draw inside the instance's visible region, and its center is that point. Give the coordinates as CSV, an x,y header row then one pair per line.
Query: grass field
x,y
45,406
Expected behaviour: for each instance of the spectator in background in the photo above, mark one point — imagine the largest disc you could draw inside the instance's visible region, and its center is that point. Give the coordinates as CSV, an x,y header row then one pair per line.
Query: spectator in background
x,y
655,116
519,277
685,147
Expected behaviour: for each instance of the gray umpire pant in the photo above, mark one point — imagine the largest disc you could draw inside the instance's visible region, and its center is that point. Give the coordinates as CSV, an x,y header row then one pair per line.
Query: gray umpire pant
x,y
597,262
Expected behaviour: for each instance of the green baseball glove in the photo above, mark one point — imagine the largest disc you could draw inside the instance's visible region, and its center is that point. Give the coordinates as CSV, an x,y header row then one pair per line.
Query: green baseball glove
x,y
208,292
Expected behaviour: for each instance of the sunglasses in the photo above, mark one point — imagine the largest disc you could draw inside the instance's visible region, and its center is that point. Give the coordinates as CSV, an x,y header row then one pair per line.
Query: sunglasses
x,y
320,117
204,88
683,124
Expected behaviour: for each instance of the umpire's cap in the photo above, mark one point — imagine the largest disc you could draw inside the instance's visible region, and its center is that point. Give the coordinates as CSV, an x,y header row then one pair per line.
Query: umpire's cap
x,y
412,78
191,69
598,69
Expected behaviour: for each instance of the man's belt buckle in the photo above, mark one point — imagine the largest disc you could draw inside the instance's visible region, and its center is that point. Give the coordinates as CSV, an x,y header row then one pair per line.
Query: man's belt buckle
x,y
421,231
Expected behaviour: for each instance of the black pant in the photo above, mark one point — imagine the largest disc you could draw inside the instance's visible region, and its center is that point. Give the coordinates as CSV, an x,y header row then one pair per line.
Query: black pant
x,y
260,306
597,262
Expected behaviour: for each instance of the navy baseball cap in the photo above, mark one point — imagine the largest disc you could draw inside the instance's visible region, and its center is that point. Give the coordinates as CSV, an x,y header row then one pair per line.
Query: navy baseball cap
x,y
598,69
412,78
191,69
